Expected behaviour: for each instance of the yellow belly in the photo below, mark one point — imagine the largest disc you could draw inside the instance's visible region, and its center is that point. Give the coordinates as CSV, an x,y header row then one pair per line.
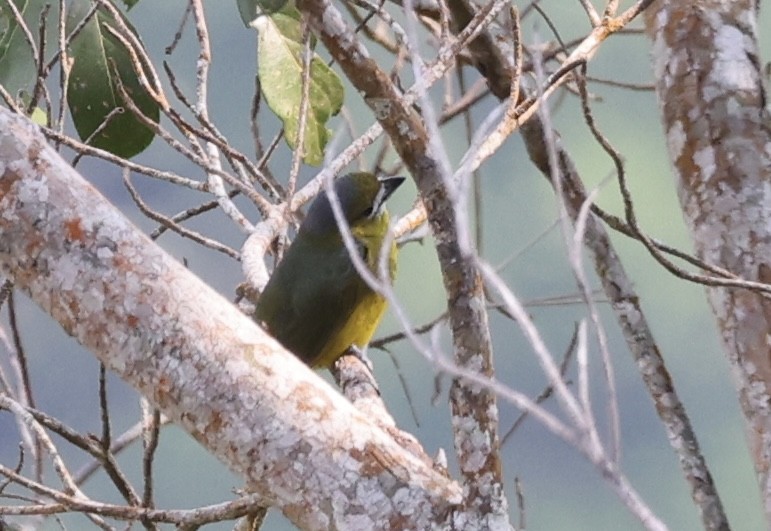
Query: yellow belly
x,y
358,330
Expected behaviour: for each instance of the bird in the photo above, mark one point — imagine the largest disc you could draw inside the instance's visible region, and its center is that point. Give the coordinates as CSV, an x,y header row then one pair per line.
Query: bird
x,y
315,303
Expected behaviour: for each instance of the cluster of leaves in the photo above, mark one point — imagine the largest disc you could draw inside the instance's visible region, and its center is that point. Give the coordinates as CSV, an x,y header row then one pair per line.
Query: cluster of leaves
x,y
110,95
101,73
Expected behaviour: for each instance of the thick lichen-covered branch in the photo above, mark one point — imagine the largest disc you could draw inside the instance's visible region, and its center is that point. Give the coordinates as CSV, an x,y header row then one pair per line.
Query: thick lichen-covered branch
x,y
196,357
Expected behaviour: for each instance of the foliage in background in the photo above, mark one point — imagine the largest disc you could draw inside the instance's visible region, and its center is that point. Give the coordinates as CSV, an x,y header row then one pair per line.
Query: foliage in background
x,y
104,79
280,71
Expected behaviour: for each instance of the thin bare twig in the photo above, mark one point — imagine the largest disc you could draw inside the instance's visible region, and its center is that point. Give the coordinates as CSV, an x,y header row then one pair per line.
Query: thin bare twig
x,y
151,421
302,123
548,390
171,224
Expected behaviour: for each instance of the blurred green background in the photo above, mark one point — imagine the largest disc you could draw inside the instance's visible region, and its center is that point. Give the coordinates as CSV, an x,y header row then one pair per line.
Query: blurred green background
x,y
562,491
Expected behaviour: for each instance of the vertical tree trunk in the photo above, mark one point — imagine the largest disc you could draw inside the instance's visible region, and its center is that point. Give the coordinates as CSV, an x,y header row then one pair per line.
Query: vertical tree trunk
x,y
713,107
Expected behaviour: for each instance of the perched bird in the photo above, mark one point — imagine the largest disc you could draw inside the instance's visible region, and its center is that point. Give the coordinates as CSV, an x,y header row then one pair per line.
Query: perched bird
x,y
316,304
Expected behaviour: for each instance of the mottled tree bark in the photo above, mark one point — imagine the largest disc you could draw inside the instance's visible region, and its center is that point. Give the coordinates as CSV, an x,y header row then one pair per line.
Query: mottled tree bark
x,y
206,365
712,102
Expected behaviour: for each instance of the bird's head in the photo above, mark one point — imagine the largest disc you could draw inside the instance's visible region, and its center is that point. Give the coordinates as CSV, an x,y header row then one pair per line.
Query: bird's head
x,y
362,198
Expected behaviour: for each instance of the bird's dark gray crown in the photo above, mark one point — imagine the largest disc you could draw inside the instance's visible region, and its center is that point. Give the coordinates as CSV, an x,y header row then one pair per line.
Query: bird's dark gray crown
x,y
361,195
320,217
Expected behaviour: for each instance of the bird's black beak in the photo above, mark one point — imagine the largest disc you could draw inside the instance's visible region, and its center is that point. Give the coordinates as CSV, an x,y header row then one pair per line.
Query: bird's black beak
x,y
390,184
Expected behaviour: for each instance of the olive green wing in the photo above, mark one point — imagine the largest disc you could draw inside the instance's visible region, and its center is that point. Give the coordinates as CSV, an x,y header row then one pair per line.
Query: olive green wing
x,y
310,296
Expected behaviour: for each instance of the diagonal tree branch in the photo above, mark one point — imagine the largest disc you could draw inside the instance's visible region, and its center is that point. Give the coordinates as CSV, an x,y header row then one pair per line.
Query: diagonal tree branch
x,y
619,289
207,366
475,414
616,284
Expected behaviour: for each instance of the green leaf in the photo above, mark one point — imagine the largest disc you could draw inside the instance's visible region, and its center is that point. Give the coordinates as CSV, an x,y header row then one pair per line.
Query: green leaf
x,y
101,63
130,3
39,117
248,10
279,55
251,9
17,65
